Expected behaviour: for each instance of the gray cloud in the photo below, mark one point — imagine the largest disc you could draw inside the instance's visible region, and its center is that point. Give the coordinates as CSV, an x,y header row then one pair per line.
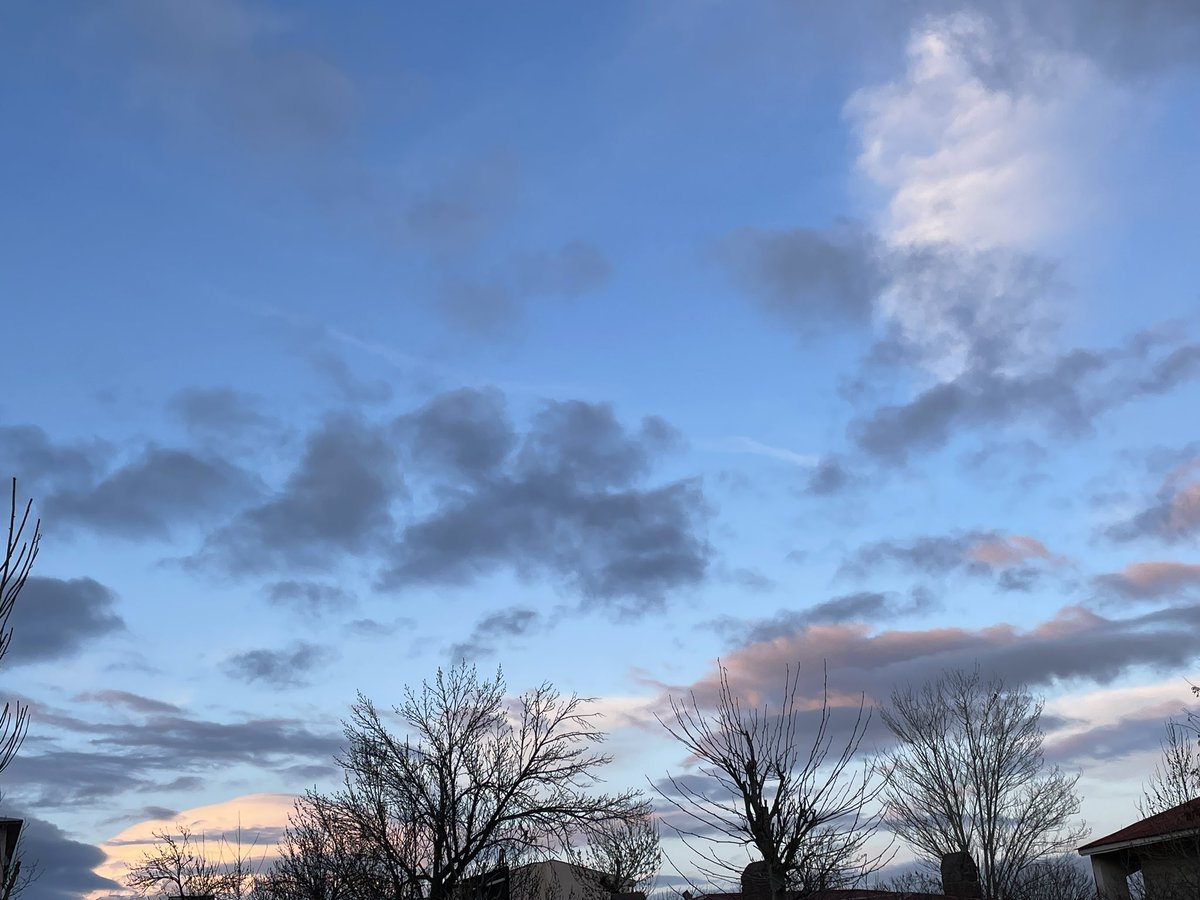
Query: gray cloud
x,y
336,502
54,618
231,70
64,865
218,412
1174,513
503,625
464,433
566,503
308,597
159,753
1152,580
1014,562
147,497
808,278
41,464
863,606
278,668
828,477
135,702
497,301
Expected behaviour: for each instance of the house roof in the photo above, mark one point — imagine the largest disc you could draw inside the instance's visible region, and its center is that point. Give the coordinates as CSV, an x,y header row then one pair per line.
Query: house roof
x,y
1182,818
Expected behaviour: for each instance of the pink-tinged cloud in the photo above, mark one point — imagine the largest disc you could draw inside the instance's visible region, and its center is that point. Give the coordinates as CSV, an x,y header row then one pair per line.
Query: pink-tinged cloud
x,y
1173,516
1002,551
261,817
1074,644
1152,579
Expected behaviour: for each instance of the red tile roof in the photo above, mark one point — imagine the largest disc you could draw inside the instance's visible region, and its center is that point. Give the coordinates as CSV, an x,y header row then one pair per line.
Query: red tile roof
x,y
1184,817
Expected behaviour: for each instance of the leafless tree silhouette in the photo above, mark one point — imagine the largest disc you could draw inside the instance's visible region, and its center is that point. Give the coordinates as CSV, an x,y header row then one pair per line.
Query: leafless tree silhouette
x,y
968,775
778,784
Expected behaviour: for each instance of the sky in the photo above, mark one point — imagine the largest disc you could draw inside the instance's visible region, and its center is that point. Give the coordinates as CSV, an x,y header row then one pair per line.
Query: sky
x,y
596,341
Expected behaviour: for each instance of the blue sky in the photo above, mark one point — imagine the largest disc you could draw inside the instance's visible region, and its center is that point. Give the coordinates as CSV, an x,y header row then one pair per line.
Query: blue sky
x,y
595,341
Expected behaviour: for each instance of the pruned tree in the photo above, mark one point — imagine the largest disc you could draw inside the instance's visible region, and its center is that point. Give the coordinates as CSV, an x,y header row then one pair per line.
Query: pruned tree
x,y
1176,779
777,781
967,774
473,779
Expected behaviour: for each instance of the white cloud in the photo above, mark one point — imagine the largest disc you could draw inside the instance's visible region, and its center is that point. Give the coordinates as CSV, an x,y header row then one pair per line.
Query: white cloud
x,y
989,166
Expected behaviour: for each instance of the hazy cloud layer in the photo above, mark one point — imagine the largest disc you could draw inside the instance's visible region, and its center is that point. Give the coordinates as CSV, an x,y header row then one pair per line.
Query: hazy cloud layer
x,y
56,618
219,412
1015,562
491,303
870,607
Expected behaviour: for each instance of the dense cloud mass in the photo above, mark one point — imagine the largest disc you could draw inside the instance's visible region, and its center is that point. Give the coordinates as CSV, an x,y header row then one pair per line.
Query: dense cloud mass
x,y
336,502
56,618
565,502
1173,516
147,496
63,866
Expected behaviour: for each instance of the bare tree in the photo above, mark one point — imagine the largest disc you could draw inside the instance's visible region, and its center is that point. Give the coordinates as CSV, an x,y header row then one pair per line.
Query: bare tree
x,y
968,775
20,551
1176,779
321,859
775,782
474,779
627,853
181,864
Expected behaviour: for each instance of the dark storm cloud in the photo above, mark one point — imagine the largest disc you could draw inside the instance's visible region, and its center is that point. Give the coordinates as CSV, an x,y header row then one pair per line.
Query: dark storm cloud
x,y
55,618
279,668
1151,581
309,597
567,502
1172,516
337,502
493,629
1015,562
218,412
148,496
233,70
808,278
497,301
64,866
